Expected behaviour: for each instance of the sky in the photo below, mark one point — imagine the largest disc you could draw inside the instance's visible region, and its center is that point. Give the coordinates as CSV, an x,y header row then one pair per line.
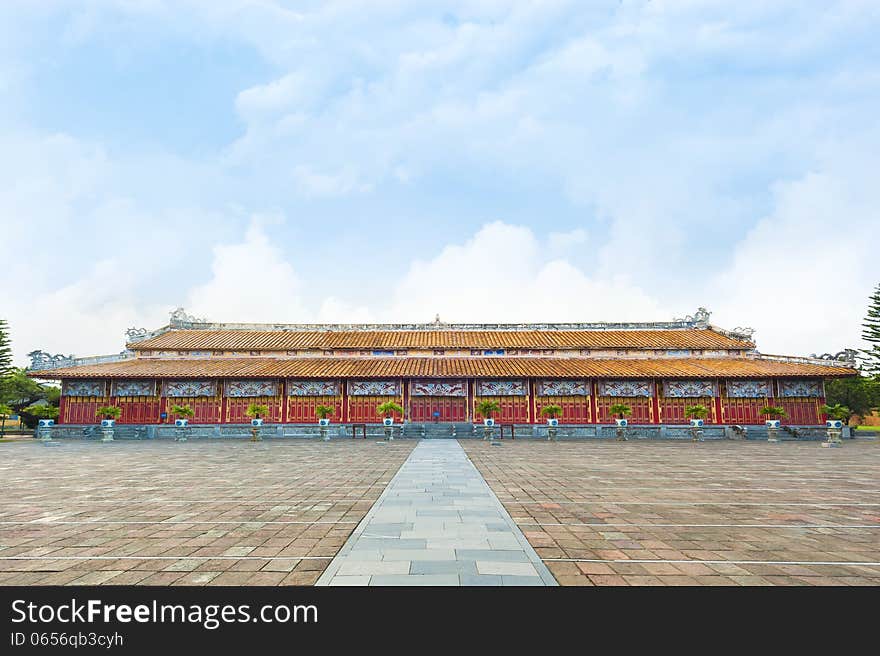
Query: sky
x,y
487,161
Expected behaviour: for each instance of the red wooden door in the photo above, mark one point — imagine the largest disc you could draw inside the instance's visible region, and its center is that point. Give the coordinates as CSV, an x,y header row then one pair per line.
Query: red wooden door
x,y
450,408
575,409
301,409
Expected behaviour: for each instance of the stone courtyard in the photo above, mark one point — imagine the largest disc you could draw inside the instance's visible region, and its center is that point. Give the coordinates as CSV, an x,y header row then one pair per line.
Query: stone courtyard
x,y
231,512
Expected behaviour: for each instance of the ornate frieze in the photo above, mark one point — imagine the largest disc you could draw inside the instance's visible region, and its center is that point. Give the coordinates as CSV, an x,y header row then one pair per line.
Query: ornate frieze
x,y
189,388
802,388
85,388
438,388
502,388
312,388
748,389
134,388
688,389
247,388
625,388
373,387
563,388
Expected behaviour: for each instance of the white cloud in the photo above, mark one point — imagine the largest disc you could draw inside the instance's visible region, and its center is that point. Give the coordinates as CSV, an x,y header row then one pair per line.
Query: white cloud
x,y
251,282
505,273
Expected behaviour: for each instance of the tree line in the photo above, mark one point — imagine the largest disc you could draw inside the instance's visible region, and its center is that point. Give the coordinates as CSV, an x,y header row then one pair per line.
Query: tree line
x,y
20,395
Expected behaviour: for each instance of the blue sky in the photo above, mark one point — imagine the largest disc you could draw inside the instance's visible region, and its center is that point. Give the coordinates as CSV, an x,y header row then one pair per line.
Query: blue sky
x,y
489,160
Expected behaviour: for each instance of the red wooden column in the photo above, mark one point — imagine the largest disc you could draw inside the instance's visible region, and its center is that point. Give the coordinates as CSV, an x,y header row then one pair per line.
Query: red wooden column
x,y
594,401
404,390
62,403
719,413
469,411
163,400
655,402
530,388
344,384
284,400
224,402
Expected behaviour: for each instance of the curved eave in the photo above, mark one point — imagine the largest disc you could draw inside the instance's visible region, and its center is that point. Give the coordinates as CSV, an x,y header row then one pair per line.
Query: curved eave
x,y
403,367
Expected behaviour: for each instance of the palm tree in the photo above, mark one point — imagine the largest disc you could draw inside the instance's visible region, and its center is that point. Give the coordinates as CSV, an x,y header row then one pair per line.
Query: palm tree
x,y
324,411
182,411
488,407
696,412
108,412
620,409
773,411
551,411
838,412
256,411
386,409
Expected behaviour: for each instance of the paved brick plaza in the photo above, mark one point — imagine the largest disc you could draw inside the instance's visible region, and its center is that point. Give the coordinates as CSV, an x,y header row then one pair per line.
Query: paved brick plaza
x,y
275,513
612,513
163,513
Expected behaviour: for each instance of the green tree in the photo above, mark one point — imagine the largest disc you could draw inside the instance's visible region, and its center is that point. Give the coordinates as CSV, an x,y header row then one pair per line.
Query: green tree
x,y
18,391
387,408
871,334
488,407
257,411
324,411
553,411
860,394
5,350
774,411
697,412
108,412
837,411
620,409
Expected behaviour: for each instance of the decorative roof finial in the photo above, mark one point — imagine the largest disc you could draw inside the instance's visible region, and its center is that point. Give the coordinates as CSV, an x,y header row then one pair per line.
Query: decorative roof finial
x,y
180,319
700,318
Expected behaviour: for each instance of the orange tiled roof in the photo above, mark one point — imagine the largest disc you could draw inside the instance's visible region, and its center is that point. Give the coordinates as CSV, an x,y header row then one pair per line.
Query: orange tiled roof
x,y
268,340
448,368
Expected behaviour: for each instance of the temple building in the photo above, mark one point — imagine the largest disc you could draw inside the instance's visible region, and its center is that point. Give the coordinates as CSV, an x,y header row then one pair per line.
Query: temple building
x,y
439,372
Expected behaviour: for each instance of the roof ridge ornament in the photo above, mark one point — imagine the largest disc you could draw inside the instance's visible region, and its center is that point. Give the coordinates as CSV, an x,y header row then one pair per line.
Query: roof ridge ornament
x,y
180,319
43,360
700,318
136,334
846,355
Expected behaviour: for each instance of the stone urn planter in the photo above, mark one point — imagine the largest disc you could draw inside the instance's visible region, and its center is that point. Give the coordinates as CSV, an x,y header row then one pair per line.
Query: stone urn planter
x,y
834,430
44,429
773,426
622,425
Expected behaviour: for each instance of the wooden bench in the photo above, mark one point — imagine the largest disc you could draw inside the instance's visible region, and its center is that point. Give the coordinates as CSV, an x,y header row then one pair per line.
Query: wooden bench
x,y
354,429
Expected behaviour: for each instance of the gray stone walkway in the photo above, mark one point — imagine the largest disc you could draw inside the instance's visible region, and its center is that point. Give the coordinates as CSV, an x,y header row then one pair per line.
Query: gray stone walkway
x,y
437,523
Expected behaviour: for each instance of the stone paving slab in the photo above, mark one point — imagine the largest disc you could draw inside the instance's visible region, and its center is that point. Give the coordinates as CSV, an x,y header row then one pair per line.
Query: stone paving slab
x,y
204,512
679,513
437,523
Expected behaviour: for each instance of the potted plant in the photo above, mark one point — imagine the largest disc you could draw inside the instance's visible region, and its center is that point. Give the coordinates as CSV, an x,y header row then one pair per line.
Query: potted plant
x,y
487,408
108,415
256,411
697,415
552,412
385,411
183,412
621,410
775,413
323,412
837,416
